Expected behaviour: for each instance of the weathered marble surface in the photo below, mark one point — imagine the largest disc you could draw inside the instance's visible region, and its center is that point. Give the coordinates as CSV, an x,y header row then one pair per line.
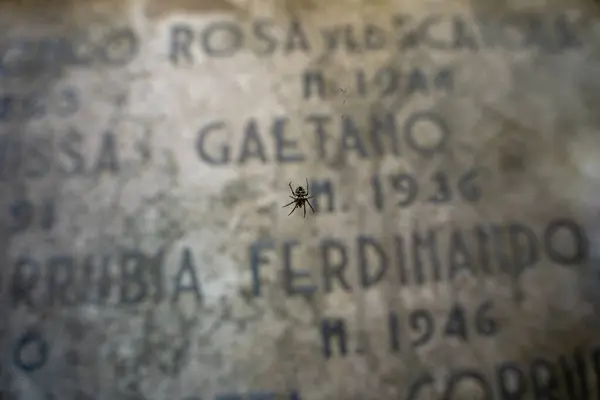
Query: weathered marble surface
x,y
146,150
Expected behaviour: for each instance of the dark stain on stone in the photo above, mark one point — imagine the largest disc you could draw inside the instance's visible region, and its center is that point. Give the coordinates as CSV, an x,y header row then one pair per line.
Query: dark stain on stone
x,y
36,4
294,6
512,158
70,12
158,8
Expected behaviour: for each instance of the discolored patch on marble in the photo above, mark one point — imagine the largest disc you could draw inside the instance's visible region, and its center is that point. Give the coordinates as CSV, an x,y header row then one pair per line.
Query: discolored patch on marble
x,y
158,8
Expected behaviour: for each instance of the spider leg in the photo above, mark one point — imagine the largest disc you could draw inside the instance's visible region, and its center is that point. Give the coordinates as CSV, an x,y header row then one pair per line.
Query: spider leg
x,y
293,210
311,197
307,189
289,204
292,197
292,190
311,207
304,207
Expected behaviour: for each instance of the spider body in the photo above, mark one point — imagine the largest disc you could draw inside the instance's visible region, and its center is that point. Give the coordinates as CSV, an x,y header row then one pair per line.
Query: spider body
x,y
300,198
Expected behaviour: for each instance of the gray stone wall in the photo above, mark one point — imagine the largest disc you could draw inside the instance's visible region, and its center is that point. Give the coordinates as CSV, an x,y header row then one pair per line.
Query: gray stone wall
x,y
145,154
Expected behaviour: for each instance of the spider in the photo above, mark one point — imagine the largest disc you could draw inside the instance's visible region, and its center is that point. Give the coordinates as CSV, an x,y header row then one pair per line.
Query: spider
x,y
300,199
